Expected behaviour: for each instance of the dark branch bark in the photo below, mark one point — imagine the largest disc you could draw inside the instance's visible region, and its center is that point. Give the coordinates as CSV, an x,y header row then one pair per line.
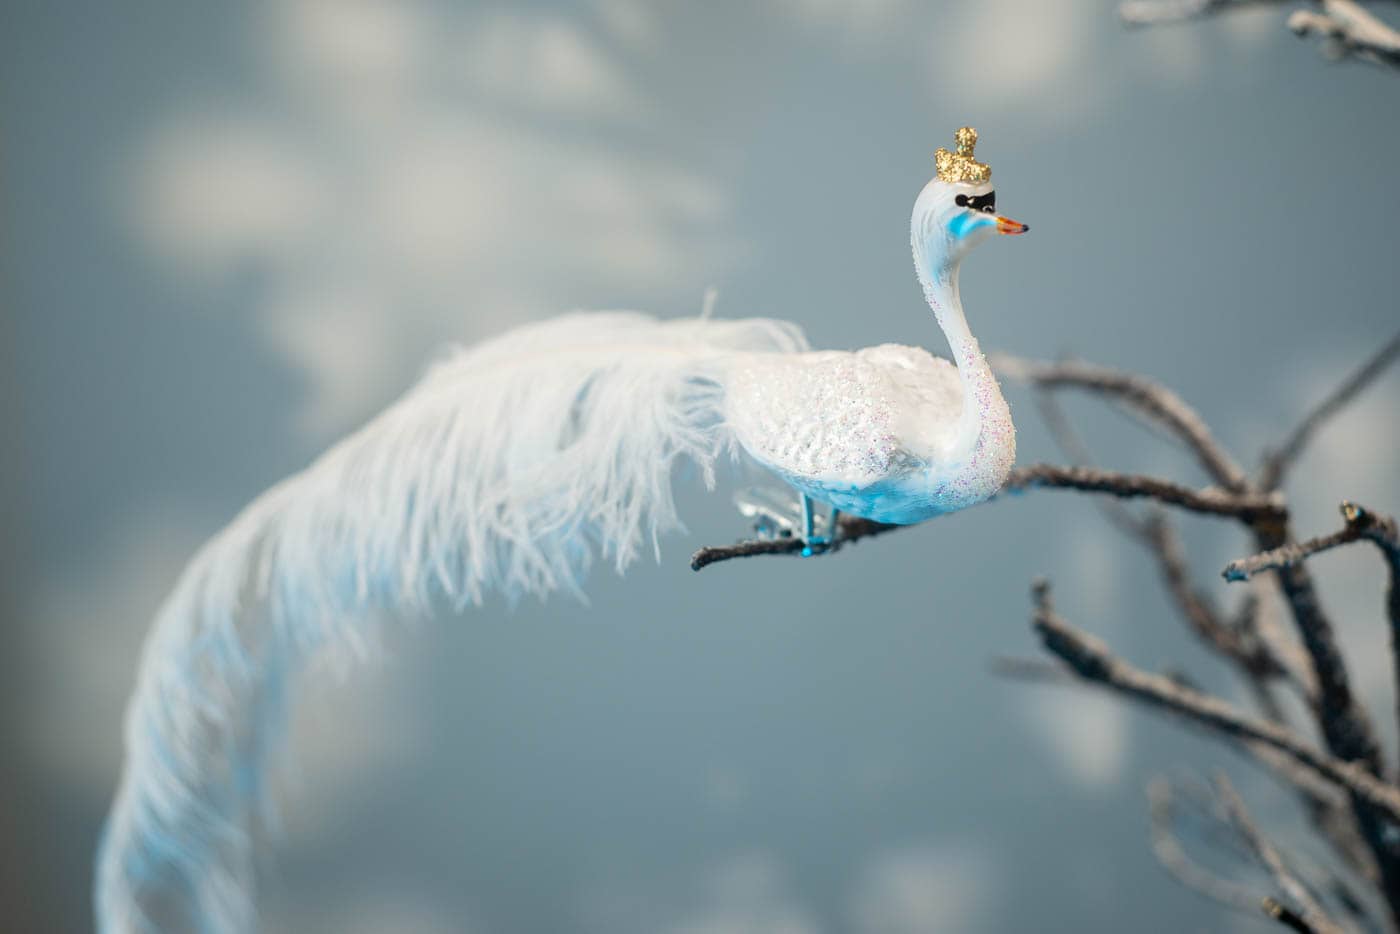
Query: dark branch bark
x,y
1361,523
1286,916
1286,555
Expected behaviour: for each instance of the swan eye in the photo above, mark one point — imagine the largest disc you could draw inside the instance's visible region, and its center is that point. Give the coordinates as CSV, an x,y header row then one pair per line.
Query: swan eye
x,y
986,204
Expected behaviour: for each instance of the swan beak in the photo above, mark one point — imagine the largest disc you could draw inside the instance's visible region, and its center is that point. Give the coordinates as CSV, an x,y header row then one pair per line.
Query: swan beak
x,y
1006,225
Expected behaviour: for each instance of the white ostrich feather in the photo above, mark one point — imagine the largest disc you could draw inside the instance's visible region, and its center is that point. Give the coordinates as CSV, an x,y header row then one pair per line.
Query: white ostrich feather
x,y
508,467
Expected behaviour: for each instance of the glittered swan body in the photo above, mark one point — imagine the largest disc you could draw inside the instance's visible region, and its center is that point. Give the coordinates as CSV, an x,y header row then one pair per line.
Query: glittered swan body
x,y
875,433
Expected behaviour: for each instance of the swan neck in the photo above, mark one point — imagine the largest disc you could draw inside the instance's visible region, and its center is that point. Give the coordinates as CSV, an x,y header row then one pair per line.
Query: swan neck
x,y
941,292
978,382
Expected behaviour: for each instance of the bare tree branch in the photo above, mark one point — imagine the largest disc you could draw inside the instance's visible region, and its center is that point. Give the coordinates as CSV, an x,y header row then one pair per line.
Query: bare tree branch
x,y
1361,523
1278,461
1347,728
1248,507
1255,650
1308,909
1093,661
1349,29
1286,555
1144,397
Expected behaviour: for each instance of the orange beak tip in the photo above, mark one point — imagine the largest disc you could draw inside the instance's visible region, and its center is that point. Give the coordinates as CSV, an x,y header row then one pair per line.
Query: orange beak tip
x,y
1007,226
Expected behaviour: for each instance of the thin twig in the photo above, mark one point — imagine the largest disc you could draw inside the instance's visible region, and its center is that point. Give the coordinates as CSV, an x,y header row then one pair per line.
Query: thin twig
x,y
849,530
1308,909
1248,507
1286,555
1093,661
1260,626
1142,396
1279,460
1166,846
1074,448
1361,523
1236,643
1349,29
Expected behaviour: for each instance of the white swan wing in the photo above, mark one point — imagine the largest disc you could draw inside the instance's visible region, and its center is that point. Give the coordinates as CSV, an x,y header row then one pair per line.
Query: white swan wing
x,y
842,419
930,394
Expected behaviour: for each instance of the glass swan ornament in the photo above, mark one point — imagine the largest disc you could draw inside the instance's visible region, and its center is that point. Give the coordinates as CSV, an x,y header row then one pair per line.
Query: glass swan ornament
x,y
889,433
509,468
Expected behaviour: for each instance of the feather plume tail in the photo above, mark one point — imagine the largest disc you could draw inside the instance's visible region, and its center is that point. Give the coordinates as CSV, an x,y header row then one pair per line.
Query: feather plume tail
x,y
509,467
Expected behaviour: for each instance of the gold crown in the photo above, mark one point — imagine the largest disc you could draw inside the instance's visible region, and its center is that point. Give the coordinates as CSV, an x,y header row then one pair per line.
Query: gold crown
x,y
960,166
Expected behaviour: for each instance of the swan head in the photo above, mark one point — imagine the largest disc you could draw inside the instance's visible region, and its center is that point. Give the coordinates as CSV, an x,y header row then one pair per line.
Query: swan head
x,y
957,210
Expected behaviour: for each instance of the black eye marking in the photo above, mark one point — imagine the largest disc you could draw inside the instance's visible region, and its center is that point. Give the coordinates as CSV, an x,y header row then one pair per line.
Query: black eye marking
x,y
986,203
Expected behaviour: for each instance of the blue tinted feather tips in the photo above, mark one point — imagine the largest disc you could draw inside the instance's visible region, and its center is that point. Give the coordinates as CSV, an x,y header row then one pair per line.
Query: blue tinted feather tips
x,y
510,467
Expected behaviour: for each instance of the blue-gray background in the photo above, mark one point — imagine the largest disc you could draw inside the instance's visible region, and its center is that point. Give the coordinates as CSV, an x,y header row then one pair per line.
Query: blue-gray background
x,y
231,233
